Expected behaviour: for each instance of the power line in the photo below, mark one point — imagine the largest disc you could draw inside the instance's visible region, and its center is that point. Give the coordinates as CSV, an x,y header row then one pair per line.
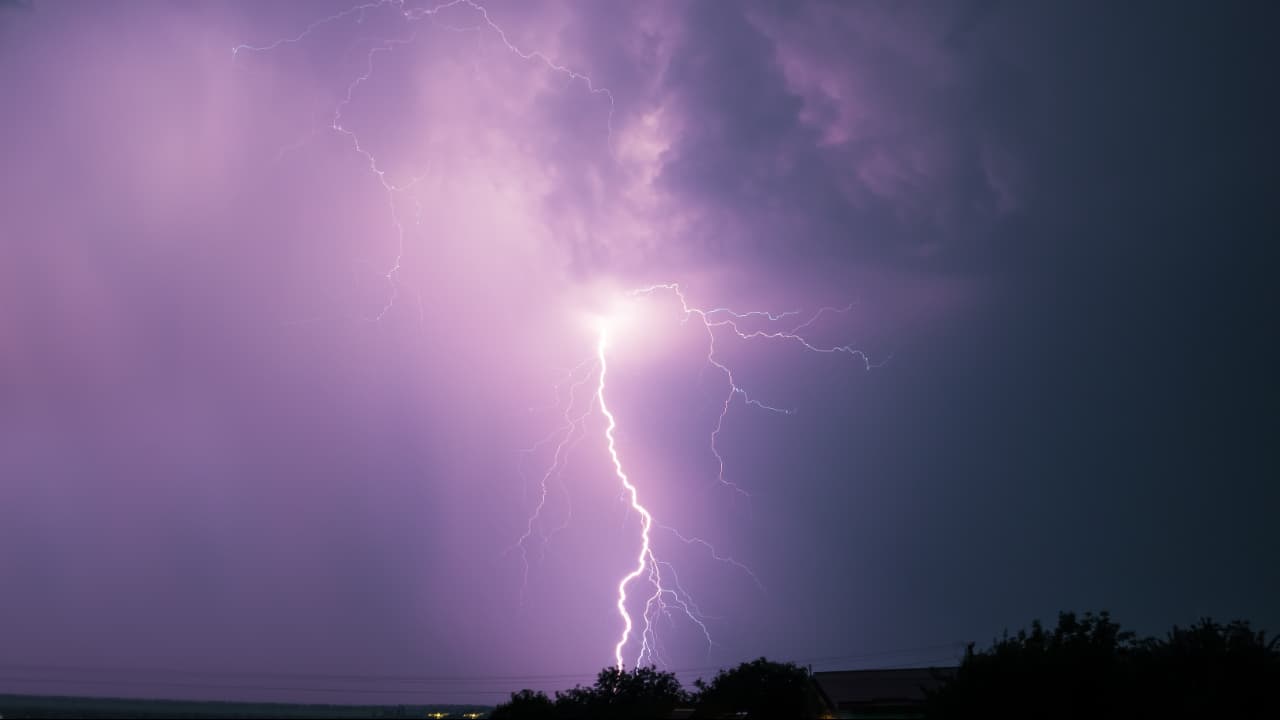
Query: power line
x,y
208,686
433,685
432,679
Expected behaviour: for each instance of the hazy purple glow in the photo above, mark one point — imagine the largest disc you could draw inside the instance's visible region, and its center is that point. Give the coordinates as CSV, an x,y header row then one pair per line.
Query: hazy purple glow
x,y
321,281
299,344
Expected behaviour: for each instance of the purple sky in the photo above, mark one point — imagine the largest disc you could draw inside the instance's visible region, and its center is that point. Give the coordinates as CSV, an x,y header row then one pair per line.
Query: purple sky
x,y
261,416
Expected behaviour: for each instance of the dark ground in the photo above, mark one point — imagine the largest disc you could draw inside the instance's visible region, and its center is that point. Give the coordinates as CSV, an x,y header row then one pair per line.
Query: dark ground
x,y
32,706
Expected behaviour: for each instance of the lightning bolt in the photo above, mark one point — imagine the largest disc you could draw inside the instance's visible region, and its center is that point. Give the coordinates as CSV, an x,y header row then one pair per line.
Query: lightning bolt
x,y
722,317
392,189
645,558
668,597
565,436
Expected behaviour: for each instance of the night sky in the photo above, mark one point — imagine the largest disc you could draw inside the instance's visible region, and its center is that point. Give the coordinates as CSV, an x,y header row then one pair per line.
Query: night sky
x,y
281,331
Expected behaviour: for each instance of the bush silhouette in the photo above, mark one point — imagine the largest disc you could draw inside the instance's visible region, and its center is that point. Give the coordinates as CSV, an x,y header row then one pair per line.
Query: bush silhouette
x,y
525,705
759,689
623,694
1087,666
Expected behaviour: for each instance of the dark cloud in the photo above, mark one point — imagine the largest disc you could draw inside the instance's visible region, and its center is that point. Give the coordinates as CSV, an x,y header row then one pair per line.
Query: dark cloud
x,y
807,131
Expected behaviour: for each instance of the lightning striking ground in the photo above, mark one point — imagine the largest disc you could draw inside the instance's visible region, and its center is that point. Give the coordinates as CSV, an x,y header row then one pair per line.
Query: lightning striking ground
x,y
711,319
643,560
667,596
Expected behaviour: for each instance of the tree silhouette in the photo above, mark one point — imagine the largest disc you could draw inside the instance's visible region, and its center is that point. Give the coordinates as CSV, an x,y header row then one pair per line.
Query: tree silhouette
x,y
525,705
1087,666
623,694
759,689
1210,669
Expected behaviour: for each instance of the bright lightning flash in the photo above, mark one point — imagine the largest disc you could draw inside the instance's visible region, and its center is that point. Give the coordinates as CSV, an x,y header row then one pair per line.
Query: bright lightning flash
x,y
668,596
645,558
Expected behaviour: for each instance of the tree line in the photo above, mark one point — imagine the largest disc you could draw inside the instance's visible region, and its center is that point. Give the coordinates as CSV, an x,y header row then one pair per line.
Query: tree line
x,y
1086,666
759,688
